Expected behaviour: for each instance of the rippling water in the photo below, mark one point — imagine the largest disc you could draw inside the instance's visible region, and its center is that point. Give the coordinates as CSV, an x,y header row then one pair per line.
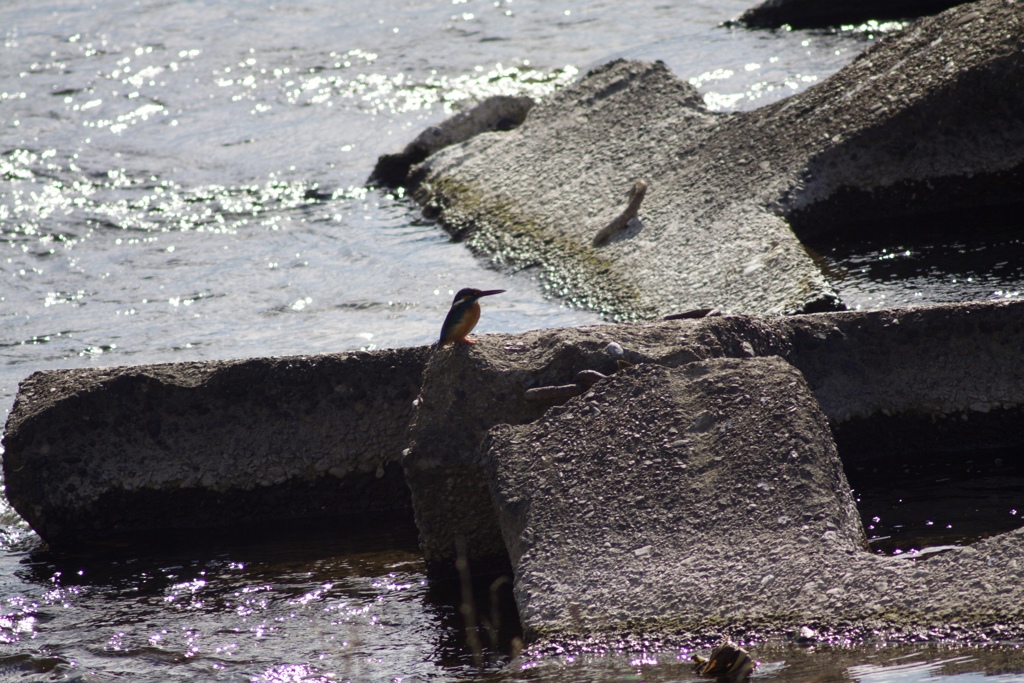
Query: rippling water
x,y
183,180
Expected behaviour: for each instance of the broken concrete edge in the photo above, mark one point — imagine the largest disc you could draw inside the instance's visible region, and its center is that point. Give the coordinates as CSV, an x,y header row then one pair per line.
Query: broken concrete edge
x,y
785,629
785,632
982,629
102,452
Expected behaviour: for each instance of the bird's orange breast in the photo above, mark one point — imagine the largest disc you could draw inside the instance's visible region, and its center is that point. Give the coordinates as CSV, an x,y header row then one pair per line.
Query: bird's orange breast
x,y
466,323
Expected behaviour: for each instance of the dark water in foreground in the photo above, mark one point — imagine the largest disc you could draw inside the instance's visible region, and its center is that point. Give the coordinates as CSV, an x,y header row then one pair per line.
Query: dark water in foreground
x,y
183,180
352,605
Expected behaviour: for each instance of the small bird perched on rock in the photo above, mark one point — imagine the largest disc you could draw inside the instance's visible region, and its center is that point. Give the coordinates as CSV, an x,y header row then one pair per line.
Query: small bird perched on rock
x,y
464,314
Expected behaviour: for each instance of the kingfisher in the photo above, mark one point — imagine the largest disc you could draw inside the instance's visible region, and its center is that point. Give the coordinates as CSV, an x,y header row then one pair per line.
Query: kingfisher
x,y
462,317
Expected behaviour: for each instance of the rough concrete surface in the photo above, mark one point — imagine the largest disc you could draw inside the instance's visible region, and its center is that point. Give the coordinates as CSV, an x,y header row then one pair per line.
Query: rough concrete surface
x,y
710,496
927,123
94,453
889,381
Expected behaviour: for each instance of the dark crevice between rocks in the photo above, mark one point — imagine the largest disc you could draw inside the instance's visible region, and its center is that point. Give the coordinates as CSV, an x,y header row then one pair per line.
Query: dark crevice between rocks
x,y
480,610
918,505
883,437
949,227
942,207
801,14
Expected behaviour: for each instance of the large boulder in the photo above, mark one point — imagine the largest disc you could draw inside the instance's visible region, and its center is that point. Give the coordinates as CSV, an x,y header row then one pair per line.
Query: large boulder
x,y
890,382
711,497
94,454
926,128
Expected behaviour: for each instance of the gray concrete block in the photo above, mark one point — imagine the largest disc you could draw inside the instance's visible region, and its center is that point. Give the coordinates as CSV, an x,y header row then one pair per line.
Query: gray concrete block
x,y
91,454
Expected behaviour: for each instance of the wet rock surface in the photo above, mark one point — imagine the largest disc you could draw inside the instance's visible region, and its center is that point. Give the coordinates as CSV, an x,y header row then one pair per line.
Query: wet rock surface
x,y
711,496
925,126
93,454
892,381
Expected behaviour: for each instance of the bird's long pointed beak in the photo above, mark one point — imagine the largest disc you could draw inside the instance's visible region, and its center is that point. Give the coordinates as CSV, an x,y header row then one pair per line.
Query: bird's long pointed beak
x,y
492,291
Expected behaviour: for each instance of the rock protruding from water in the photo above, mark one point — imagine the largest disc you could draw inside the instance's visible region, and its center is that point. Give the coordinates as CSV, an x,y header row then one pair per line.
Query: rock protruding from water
x,y
94,454
922,130
500,112
891,381
800,14
710,497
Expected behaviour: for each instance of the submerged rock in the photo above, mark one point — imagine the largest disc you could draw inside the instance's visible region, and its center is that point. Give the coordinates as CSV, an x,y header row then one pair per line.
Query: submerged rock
x,y
94,454
923,129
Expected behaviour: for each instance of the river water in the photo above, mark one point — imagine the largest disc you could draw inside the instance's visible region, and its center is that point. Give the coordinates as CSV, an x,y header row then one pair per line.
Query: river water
x,y
184,180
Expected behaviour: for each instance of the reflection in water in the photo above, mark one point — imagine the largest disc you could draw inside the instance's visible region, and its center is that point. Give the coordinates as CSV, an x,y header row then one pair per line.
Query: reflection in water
x,y
881,272
276,603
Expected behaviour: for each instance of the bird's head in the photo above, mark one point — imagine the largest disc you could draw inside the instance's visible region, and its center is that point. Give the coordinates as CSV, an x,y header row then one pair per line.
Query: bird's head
x,y
468,295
